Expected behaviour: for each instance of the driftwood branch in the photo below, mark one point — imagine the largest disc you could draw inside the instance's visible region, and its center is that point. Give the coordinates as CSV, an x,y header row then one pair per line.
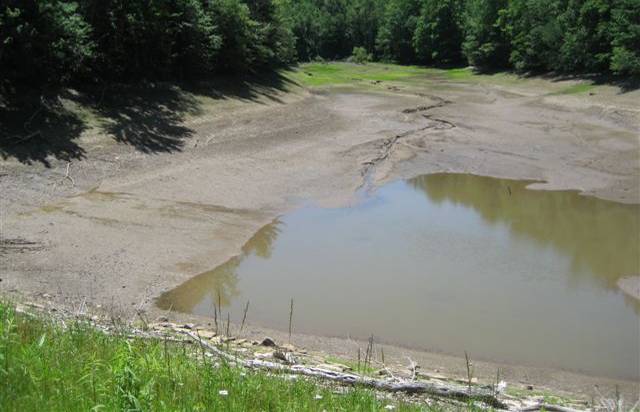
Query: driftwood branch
x,y
548,408
67,176
435,389
413,367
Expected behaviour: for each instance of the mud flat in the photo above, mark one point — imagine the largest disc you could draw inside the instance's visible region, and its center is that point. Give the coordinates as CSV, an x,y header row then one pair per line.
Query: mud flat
x,y
121,225
631,286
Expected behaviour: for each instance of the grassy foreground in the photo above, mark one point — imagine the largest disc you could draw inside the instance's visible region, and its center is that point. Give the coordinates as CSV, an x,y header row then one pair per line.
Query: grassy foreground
x,y
46,367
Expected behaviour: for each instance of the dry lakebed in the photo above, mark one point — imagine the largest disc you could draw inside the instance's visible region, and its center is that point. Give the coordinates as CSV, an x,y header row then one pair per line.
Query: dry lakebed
x,y
489,214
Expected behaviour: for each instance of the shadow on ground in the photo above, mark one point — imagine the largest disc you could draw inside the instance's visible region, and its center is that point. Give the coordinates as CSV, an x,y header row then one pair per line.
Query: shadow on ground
x,y
148,117
35,129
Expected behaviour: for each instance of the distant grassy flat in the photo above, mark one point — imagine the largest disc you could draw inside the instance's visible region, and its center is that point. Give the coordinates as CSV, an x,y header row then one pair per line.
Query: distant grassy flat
x,y
336,73
362,75
366,75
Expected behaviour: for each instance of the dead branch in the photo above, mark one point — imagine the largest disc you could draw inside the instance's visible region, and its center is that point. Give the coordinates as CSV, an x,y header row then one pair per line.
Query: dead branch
x,y
435,389
412,367
67,176
548,407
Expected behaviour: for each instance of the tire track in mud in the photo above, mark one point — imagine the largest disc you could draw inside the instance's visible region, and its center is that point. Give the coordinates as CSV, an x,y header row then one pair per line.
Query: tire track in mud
x,y
387,146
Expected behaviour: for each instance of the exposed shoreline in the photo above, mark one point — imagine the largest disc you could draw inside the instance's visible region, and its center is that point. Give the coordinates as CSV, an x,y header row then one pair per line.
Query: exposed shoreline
x,y
131,225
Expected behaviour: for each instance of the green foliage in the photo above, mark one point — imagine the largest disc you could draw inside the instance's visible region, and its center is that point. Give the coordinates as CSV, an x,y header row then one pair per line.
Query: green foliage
x,y
625,30
485,45
331,28
534,31
586,45
55,42
158,40
362,21
42,42
240,46
48,43
398,25
44,367
438,35
360,55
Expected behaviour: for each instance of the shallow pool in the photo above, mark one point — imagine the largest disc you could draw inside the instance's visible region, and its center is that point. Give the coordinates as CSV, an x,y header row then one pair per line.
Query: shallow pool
x,y
447,262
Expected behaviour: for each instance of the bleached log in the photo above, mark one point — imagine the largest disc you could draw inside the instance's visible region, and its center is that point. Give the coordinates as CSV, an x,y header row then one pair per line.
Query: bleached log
x,y
435,389
547,407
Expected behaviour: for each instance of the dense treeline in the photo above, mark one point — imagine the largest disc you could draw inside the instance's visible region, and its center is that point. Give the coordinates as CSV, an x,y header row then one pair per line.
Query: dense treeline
x,y
52,42
48,42
568,36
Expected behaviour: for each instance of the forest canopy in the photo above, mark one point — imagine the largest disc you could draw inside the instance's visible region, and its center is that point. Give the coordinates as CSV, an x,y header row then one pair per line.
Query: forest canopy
x,y
45,43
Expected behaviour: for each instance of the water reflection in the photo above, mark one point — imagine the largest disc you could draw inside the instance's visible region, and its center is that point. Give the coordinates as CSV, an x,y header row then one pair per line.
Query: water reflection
x,y
220,284
464,262
600,236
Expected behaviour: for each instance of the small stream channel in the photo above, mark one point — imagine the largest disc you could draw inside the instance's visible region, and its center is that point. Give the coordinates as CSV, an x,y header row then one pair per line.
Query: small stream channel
x,y
451,263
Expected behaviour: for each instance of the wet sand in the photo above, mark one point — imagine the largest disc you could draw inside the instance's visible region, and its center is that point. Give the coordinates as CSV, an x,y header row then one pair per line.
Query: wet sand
x,y
132,225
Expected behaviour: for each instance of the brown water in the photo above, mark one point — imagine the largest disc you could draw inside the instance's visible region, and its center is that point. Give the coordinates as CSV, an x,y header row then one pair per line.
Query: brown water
x,y
448,262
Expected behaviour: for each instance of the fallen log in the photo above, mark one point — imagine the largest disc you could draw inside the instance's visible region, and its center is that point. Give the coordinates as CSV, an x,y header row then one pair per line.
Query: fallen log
x,y
459,392
548,407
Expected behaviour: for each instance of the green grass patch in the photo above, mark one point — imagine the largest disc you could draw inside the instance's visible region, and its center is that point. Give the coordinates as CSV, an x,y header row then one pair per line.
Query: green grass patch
x,y
44,367
576,89
459,74
341,73
338,73
546,396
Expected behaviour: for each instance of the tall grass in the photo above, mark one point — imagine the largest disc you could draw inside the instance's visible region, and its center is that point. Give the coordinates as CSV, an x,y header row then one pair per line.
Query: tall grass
x,y
46,367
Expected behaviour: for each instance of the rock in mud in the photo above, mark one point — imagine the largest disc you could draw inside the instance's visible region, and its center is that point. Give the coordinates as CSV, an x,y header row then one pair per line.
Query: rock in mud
x,y
267,341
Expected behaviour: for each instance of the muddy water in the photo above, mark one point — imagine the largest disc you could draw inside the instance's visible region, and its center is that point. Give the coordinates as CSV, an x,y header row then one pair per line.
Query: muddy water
x,y
450,263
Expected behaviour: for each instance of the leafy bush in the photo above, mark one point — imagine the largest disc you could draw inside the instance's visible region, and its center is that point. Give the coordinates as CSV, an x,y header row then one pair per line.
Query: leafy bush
x,y
586,44
438,34
484,45
626,37
534,32
360,55
42,42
